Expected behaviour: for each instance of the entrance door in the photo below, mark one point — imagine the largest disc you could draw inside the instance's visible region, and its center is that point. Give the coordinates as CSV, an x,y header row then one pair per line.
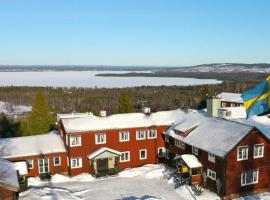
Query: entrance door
x,y
102,165
43,165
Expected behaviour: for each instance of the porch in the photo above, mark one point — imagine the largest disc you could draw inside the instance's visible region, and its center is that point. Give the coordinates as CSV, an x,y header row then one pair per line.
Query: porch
x,y
104,162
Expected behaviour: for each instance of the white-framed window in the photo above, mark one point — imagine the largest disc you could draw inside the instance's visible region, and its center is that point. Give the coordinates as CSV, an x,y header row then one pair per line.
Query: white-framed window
x,y
143,154
258,150
100,138
211,157
57,160
249,177
179,144
30,164
242,153
124,136
76,162
195,151
75,141
152,133
140,134
211,174
167,138
125,156
163,152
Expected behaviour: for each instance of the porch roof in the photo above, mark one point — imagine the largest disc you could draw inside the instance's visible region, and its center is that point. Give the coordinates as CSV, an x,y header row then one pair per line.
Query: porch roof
x,y
190,160
103,150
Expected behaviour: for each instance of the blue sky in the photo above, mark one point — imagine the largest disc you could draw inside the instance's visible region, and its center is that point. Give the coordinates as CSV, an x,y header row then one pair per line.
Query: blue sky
x,y
134,32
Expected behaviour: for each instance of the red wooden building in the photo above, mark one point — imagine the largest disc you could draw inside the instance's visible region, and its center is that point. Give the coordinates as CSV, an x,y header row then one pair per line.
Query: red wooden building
x,y
107,144
42,153
230,99
234,156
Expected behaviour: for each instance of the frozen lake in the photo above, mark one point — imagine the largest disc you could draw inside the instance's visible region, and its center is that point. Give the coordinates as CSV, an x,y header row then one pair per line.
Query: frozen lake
x,y
88,79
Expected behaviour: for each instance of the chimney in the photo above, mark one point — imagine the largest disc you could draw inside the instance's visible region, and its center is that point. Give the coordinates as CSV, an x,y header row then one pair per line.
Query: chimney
x,y
102,113
147,110
213,104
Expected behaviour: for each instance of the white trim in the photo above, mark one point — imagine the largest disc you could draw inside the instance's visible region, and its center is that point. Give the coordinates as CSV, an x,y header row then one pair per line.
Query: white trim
x,y
139,131
124,152
77,142
145,150
78,162
211,174
179,143
254,147
148,134
243,177
32,163
195,150
211,157
104,139
238,151
43,167
120,136
59,160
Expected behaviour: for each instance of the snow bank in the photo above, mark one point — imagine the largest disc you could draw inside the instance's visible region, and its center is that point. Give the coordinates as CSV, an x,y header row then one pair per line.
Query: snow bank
x,y
262,196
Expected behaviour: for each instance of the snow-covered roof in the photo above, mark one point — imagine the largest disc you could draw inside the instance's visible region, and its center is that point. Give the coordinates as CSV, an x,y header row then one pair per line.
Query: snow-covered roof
x,y
190,160
102,150
21,167
214,135
8,175
31,145
121,121
73,115
260,122
230,97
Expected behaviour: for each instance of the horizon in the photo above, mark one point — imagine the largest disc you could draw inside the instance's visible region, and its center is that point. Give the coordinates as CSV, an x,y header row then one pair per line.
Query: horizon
x,y
150,33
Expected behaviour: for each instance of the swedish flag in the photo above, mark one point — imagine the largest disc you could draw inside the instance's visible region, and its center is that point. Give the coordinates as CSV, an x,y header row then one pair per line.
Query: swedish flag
x,y
256,100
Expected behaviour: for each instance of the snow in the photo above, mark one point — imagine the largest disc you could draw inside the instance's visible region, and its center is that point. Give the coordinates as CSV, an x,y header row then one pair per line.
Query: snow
x,y
230,97
149,182
190,160
14,109
214,135
102,150
8,175
21,167
121,121
262,196
73,115
31,145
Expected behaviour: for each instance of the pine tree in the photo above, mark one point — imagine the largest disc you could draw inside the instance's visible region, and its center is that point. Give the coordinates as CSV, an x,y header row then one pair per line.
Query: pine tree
x,y
40,119
124,104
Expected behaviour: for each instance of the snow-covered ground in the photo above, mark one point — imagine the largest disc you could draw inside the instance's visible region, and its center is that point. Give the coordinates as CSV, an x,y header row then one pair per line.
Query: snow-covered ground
x,y
149,182
262,196
13,109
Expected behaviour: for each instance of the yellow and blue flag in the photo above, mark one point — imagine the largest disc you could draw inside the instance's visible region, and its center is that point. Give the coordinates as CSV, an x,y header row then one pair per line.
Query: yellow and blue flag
x,y
256,100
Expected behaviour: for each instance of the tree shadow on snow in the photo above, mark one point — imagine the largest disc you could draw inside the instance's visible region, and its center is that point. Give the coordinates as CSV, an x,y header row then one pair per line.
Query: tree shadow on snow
x,y
144,197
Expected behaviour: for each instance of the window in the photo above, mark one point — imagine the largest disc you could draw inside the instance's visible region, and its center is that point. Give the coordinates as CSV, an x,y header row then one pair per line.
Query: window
x,y
76,163
143,154
211,157
123,136
57,161
30,164
140,135
167,138
101,138
211,174
195,151
258,150
180,144
75,141
163,152
242,153
125,156
249,177
152,134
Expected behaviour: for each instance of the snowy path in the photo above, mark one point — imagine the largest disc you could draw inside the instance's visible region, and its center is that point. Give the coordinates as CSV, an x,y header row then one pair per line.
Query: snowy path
x,y
143,183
